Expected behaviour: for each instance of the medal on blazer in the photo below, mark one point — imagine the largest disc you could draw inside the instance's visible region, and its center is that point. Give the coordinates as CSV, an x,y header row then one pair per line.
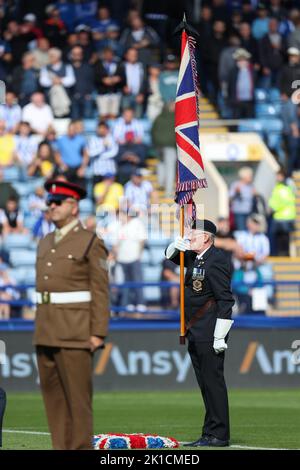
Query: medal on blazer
x,y
197,277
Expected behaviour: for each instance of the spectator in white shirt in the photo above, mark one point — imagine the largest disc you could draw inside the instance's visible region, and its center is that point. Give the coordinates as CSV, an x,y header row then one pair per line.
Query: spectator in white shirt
x,y
57,79
139,193
102,149
36,202
254,241
10,112
127,129
57,72
26,147
136,84
256,248
128,236
38,114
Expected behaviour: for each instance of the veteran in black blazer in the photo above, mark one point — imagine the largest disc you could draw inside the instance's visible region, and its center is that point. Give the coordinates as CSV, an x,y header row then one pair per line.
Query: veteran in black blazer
x,y
208,309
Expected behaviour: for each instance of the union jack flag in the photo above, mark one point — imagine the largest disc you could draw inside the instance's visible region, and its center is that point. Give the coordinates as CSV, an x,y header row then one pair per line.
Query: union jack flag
x,y
190,168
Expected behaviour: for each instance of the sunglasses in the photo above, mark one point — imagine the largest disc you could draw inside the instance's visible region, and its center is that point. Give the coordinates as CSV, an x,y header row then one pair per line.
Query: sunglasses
x,y
54,201
57,202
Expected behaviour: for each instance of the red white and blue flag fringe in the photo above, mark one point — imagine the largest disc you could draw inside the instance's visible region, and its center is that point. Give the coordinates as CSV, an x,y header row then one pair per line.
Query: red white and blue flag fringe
x,y
190,168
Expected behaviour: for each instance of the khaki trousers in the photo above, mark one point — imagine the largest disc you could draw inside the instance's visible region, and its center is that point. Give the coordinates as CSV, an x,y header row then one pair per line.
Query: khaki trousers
x,y
66,384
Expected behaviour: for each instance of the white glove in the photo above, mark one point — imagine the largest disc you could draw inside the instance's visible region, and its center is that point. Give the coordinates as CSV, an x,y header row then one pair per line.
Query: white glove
x,y
178,245
181,244
221,330
219,345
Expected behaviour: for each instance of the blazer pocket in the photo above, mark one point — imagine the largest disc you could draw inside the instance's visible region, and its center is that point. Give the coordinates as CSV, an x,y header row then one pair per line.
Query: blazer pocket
x,y
73,322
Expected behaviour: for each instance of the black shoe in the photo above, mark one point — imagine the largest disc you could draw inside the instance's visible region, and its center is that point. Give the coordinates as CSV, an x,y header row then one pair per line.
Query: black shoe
x,y
215,442
201,442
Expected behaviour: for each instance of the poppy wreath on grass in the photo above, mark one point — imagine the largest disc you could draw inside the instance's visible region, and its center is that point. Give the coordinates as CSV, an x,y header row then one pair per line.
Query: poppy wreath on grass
x,y
133,441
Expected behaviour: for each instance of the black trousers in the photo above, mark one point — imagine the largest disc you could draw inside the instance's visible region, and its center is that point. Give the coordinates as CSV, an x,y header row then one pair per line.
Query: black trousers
x,y
209,370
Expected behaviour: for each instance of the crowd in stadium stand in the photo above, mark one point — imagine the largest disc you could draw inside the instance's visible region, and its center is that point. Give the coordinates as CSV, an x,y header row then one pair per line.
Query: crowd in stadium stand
x,y
117,69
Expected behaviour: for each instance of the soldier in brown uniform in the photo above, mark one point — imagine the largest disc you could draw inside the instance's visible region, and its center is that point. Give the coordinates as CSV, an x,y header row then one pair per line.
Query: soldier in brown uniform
x,y
72,317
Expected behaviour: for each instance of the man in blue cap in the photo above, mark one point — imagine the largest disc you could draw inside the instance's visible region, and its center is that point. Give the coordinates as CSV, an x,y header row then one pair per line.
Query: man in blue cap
x,y
208,308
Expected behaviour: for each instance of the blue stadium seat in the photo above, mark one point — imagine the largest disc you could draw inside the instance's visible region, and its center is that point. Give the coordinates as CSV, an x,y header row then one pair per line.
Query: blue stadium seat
x,y
29,221
145,257
251,125
151,273
23,204
30,275
17,240
23,275
11,174
147,125
18,275
267,109
22,258
157,255
31,294
86,205
61,125
273,133
152,294
90,126
157,239
274,95
260,94
23,189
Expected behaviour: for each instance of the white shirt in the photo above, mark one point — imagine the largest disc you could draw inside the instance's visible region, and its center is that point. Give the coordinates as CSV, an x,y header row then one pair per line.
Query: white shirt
x,y
257,243
39,118
134,77
11,115
121,128
102,152
201,254
26,148
138,195
127,238
67,81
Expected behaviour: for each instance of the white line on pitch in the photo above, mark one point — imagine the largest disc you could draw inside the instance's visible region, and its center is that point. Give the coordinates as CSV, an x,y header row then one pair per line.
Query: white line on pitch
x,y
235,446
18,431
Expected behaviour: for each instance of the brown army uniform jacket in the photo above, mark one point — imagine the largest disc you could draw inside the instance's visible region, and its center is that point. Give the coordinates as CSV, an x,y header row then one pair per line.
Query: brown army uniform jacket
x,y
75,263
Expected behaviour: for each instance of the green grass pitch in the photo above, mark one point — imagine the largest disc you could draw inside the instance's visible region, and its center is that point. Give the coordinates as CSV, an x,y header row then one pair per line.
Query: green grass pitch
x,y
259,418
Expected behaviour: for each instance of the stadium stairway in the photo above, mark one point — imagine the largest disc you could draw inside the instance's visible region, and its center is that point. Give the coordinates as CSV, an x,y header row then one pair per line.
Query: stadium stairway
x,y
167,210
287,269
287,296
296,235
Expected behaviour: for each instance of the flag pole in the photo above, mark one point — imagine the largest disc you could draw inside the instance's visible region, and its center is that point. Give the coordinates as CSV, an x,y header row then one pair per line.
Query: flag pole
x,y
187,142
182,315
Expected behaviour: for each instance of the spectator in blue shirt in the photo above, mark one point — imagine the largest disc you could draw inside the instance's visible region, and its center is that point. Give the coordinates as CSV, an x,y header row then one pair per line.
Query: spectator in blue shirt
x,y
43,225
10,112
71,155
25,79
168,79
104,20
260,26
